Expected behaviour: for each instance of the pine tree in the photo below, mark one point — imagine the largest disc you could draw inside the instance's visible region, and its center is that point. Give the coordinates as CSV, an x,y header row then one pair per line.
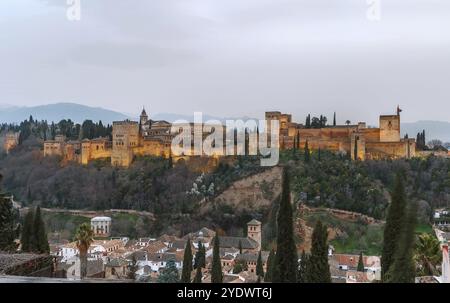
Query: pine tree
x,y
7,229
169,274
307,152
187,263
270,264
285,268
198,275
302,270
39,233
318,268
259,266
216,271
393,226
403,268
360,263
27,237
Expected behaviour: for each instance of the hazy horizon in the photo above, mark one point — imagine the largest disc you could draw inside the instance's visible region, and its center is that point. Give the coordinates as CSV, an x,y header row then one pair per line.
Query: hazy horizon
x,y
230,58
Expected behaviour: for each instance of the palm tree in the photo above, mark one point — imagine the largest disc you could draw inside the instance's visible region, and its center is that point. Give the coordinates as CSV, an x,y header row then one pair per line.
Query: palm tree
x,y
428,254
84,237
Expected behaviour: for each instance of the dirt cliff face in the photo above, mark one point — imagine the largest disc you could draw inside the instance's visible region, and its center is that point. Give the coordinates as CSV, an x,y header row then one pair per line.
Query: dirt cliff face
x,y
251,193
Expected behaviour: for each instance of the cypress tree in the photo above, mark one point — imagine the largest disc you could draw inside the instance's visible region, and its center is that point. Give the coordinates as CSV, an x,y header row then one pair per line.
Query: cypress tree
x,y
393,227
27,236
7,229
259,266
318,268
187,263
216,271
360,263
285,268
198,275
334,119
308,121
307,152
298,140
302,270
40,234
403,269
200,259
240,247
270,265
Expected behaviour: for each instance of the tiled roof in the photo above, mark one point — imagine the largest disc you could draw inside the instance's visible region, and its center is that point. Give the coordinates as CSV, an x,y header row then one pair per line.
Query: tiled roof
x,y
253,257
246,243
155,246
254,222
352,260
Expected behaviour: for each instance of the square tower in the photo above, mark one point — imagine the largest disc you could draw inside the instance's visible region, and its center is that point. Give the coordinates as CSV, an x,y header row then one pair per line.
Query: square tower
x,y
390,128
125,138
254,231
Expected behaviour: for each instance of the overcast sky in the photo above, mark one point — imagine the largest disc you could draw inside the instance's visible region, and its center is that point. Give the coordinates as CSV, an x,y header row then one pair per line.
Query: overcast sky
x,y
230,57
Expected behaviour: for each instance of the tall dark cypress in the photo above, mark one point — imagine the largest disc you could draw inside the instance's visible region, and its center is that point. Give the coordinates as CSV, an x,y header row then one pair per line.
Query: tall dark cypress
x,y
40,233
318,269
200,258
393,226
360,263
403,269
27,237
307,152
334,119
259,266
7,226
216,271
187,263
198,275
285,268
270,265
302,268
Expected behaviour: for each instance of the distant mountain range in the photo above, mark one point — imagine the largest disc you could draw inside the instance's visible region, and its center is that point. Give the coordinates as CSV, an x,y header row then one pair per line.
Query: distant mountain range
x,y
57,112
79,113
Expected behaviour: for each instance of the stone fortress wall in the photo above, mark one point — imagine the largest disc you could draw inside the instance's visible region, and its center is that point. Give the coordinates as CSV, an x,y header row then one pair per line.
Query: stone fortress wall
x,y
153,138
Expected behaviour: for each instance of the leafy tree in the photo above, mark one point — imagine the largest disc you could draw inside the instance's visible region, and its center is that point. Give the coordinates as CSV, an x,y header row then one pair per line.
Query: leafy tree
x,y
318,268
360,263
169,274
84,236
216,271
302,268
259,266
240,266
285,268
187,263
132,268
393,227
428,255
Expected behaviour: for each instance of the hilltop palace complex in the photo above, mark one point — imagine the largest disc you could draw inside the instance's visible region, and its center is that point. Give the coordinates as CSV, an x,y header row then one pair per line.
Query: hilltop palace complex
x,y
154,138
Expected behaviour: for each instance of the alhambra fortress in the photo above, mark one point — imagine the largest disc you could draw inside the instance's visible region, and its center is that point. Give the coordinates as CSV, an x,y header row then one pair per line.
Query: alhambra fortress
x,y
148,137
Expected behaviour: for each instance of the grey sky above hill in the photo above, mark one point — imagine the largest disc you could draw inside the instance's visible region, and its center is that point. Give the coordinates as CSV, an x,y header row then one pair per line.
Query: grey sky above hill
x,y
230,57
